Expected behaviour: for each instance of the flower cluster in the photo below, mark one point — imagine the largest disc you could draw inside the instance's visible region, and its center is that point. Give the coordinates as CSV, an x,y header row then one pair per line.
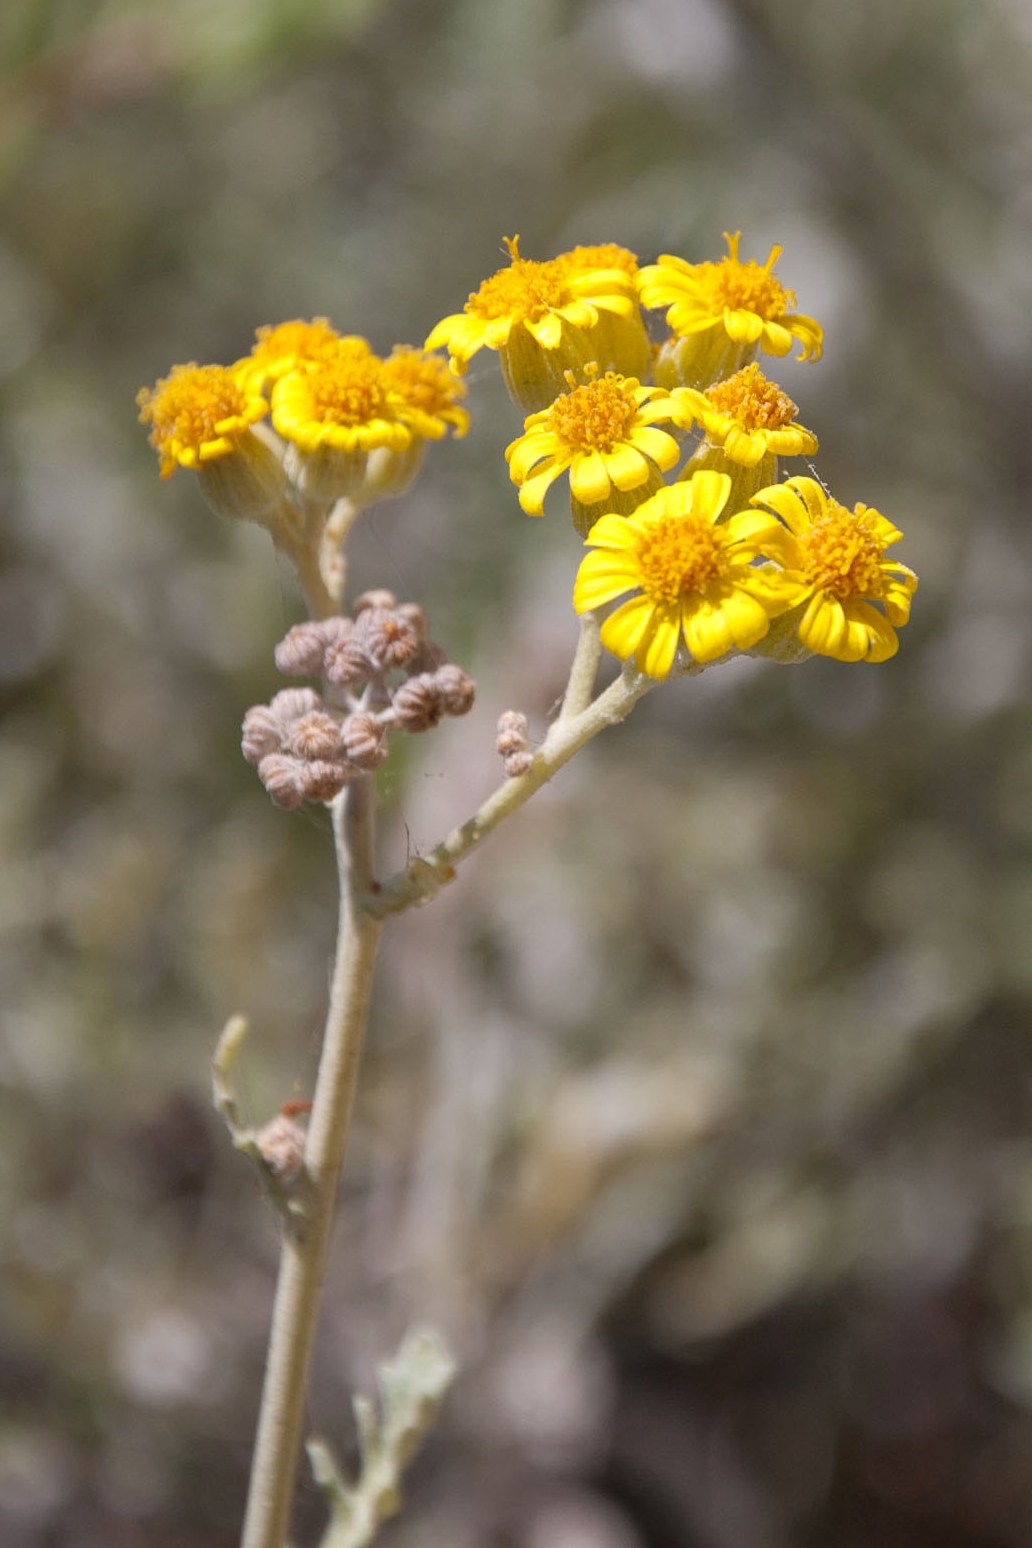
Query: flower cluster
x,y
671,452
347,423
380,673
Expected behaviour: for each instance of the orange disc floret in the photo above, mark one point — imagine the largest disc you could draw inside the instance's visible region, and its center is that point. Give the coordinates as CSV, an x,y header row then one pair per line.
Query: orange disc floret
x,y
745,299
855,598
424,392
196,414
694,578
748,416
341,401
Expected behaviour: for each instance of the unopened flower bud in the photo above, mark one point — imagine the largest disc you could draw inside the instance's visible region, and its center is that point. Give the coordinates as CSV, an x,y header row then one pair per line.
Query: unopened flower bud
x,y
300,653
389,641
428,658
281,777
518,763
262,733
417,703
457,690
291,703
315,737
414,616
512,732
322,781
379,597
346,663
364,740
281,1143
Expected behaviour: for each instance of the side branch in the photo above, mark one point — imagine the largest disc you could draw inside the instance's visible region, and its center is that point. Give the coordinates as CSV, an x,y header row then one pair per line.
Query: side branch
x,y
426,874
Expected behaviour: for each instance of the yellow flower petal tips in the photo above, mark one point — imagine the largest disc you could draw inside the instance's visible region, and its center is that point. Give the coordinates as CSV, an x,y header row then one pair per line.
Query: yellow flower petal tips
x,y
696,580
603,433
854,598
720,314
546,318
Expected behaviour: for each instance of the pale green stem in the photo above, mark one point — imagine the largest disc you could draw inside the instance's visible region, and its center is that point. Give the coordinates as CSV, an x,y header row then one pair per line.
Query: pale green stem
x,y
584,669
333,563
306,1241
425,875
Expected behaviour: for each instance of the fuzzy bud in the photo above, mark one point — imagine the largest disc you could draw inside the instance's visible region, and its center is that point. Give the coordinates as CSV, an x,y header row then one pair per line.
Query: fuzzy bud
x,y
282,778
315,737
300,653
322,781
281,1143
512,732
291,703
518,763
412,614
345,663
457,690
417,703
428,658
388,640
262,733
364,740
377,598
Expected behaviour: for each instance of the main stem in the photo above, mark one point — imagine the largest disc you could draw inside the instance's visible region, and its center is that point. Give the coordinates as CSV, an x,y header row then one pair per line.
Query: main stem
x,y
306,1243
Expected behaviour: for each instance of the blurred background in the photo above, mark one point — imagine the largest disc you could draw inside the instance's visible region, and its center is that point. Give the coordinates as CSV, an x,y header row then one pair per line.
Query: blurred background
x,y
697,1112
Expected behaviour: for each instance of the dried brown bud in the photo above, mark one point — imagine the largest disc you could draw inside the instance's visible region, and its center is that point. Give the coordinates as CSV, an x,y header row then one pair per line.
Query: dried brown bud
x,y
315,737
377,598
282,778
300,653
281,1143
364,740
457,690
322,781
388,640
262,733
346,664
417,703
291,703
518,763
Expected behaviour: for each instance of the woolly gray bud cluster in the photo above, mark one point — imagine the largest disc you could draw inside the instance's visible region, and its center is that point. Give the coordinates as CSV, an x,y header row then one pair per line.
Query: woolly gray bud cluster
x,y
380,672
512,744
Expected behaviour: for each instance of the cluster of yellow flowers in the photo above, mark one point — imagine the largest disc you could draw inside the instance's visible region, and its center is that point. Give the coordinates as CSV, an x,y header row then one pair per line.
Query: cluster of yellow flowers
x,y
671,447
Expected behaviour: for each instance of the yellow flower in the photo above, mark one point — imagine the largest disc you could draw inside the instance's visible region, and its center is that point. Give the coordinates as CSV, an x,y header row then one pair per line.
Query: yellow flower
x,y
289,346
748,416
854,599
196,414
424,393
334,412
694,577
543,318
720,313
603,433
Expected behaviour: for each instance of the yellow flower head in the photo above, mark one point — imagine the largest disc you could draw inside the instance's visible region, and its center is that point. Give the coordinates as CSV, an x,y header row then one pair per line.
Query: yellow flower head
x,y
607,255
855,599
424,393
289,346
694,578
603,432
197,414
748,416
743,301
340,401
543,318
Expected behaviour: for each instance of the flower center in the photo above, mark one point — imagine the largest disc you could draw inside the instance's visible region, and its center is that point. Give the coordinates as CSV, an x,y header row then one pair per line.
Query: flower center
x,y
679,554
755,402
746,287
525,290
844,555
296,340
192,403
596,415
422,382
609,255
348,390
